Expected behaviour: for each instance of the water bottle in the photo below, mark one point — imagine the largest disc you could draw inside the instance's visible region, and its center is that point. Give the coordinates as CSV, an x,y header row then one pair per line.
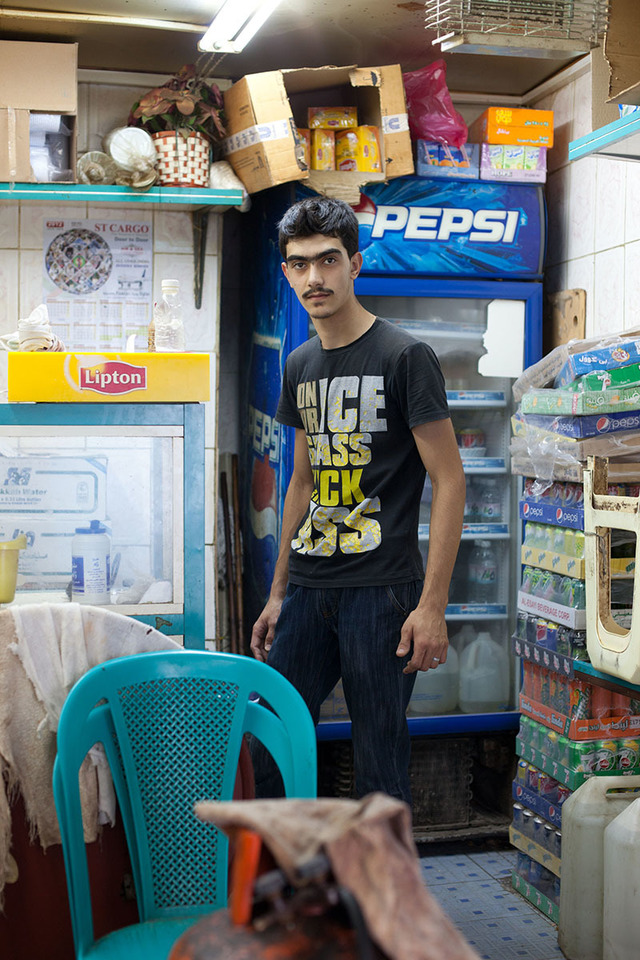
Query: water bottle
x,y
167,316
90,564
471,503
490,506
483,573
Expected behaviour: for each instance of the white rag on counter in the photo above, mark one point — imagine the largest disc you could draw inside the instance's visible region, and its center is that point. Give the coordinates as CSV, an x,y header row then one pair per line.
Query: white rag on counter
x,y
44,650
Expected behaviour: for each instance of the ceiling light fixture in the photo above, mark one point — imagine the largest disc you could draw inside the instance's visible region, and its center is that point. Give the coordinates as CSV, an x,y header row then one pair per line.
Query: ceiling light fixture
x,y
235,24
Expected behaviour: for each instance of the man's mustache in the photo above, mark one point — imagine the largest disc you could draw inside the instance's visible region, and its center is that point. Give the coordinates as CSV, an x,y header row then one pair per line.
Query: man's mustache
x,y
313,293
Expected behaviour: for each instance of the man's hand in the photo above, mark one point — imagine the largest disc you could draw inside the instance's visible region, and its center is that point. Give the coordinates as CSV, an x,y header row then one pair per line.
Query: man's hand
x,y
426,630
263,629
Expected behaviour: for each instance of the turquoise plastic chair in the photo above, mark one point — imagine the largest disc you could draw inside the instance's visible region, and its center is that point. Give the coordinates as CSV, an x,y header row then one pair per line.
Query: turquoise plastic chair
x,y
172,724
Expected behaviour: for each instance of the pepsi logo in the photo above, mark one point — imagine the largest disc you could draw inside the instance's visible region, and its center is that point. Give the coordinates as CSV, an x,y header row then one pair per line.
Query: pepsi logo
x,y
559,514
525,509
602,424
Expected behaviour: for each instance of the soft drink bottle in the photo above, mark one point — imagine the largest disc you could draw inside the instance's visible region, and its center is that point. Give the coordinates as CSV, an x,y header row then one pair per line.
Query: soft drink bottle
x,y
490,505
483,573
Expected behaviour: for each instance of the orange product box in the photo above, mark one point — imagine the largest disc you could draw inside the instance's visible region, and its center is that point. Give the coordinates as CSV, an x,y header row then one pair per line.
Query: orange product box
x,y
323,149
514,126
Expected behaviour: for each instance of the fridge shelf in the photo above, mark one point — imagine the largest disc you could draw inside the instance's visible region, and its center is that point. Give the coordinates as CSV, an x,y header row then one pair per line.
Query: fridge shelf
x,y
432,726
476,611
473,531
484,465
476,399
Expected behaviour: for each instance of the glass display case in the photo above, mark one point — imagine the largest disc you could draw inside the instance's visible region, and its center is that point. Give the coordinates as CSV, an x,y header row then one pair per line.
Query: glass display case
x,y
117,488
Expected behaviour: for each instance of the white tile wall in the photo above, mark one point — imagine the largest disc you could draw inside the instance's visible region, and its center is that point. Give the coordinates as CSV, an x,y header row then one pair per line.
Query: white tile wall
x,y
593,208
101,108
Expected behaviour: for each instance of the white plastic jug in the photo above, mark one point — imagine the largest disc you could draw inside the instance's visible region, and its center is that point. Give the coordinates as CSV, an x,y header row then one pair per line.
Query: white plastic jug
x,y
585,815
621,921
462,638
484,676
436,691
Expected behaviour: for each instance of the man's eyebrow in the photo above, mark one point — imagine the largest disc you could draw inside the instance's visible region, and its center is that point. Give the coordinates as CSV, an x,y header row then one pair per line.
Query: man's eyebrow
x,y
318,256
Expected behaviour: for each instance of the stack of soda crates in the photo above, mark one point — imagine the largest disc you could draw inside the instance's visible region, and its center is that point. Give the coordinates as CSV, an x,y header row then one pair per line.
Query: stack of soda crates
x,y
570,729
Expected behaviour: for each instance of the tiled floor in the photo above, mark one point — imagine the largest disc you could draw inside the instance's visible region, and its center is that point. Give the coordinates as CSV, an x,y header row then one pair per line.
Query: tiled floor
x,y
473,890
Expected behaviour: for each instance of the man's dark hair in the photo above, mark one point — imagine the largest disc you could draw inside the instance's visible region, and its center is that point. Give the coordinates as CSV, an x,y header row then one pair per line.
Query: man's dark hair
x,y
332,218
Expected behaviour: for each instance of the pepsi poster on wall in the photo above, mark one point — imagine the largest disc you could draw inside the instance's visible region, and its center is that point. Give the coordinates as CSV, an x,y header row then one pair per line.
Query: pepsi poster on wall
x,y
452,228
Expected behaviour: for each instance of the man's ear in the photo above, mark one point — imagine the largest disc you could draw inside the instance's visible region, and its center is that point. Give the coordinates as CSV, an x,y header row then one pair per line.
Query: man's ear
x,y
356,264
285,270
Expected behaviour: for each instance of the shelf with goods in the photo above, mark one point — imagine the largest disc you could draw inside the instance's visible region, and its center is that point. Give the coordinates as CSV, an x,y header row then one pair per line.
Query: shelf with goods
x,y
574,723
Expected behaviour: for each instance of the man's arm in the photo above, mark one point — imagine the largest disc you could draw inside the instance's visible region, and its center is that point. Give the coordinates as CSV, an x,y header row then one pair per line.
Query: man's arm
x,y
296,503
425,627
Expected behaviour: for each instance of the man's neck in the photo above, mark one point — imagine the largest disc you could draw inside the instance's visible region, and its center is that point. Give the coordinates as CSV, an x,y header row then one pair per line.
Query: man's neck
x,y
339,331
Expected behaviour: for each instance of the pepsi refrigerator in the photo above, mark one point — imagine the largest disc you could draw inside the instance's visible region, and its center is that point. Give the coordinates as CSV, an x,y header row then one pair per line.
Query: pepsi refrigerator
x,y
459,264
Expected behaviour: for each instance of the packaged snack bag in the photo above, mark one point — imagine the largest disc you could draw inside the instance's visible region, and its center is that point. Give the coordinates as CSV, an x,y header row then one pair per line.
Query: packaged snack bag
x,y
332,118
304,138
323,150
347,149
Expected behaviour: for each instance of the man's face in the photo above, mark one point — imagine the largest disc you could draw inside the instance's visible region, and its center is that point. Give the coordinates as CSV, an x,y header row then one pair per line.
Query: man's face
x,y
321,274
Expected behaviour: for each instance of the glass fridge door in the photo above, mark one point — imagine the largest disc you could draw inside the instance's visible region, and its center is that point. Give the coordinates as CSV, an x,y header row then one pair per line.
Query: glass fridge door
x,y
478,364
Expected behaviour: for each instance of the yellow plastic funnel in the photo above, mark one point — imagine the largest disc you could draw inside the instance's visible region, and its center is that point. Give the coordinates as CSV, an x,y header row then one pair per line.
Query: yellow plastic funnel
x,y
9,566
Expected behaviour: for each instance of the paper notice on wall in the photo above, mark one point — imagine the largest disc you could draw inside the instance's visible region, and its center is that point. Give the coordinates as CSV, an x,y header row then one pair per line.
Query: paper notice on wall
x,y
97,282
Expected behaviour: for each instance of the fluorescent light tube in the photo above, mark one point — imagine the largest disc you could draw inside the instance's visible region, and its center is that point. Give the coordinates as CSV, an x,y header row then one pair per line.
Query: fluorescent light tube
x,y
235,24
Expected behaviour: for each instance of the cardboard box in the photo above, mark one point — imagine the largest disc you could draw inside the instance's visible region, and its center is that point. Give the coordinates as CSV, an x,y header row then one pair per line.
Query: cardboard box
x,y
435,160
58,487
39,76
14,145
514,164
46,563
34,78
588,426
570,403
263,110
609,357
513,126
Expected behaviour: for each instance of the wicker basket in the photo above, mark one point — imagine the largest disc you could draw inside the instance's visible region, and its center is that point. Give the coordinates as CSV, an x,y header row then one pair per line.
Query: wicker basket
x,y
182,161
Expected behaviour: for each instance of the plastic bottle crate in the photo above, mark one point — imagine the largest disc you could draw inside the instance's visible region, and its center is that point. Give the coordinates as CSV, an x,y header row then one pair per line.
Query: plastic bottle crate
x,y
440,775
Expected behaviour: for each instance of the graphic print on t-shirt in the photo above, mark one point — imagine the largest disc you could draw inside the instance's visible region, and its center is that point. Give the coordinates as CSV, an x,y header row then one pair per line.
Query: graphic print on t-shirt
x,y
339,416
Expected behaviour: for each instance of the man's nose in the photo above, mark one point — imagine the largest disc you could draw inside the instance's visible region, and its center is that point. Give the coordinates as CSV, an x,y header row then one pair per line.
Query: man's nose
x,y
315,275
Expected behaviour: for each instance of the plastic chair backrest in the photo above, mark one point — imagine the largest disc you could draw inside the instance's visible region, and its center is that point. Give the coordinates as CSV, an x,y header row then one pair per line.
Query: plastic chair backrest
x,y
172,724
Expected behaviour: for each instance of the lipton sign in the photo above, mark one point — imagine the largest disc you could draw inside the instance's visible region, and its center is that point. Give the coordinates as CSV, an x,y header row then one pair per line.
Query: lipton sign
x,y
108,377
113,378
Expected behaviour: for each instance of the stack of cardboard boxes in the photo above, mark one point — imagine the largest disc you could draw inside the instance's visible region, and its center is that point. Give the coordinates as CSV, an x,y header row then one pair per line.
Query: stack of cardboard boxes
x,y
504,144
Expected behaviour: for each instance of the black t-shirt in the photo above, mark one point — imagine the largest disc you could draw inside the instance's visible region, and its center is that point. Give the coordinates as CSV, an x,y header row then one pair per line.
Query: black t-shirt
x,y
357,405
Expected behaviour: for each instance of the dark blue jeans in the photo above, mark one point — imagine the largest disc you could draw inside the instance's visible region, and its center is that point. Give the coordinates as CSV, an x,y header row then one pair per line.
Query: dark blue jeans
x,y
323,634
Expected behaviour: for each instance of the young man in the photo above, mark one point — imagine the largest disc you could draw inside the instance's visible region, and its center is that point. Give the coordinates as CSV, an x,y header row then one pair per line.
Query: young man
x,y
349,597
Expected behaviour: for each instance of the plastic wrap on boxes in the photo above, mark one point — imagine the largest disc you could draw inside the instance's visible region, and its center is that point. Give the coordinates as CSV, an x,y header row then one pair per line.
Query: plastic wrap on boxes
x,y
551,453
546,370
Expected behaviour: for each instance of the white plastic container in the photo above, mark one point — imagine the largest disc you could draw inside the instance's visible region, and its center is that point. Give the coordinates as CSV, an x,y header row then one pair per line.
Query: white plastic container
x,y
585,815
484,676
621,921
91,564
436,691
